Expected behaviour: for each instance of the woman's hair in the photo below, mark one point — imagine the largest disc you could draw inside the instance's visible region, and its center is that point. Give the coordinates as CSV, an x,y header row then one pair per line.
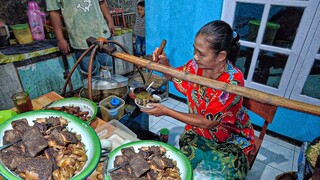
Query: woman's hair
x,y
141,3
221,38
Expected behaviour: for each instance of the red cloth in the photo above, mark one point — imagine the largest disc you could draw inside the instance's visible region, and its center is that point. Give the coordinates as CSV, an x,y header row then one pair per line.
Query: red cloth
x,y
216,105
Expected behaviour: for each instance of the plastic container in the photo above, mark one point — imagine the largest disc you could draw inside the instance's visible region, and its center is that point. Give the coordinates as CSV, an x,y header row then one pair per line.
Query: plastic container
x,y
36,21
112,107
116,133
22,33
269,35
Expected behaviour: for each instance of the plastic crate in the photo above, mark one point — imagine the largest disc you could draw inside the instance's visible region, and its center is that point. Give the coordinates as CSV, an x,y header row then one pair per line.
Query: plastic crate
x,y
114,113
116,132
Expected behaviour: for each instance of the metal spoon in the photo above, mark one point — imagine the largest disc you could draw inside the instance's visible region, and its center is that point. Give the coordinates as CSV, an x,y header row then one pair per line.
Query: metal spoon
x,y
118,167
8,145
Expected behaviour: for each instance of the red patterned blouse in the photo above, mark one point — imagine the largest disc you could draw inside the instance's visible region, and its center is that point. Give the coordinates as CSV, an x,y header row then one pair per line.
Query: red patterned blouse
x,y
216,105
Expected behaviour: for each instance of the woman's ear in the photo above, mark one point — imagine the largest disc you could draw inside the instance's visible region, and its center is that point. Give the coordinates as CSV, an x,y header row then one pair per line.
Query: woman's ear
x,y
222,56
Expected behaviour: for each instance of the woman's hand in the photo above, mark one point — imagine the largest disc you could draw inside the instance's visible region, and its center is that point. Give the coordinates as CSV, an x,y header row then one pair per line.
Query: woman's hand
x,y
157,110
161,59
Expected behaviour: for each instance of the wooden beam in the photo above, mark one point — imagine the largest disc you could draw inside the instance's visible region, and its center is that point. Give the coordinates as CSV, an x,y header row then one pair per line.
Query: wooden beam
x,y
242,91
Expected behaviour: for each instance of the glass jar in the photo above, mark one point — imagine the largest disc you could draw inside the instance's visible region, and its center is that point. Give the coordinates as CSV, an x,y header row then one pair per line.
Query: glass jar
x,y
22,102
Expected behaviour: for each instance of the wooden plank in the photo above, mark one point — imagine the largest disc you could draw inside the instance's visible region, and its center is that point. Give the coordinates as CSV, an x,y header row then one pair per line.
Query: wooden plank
x,y
242,91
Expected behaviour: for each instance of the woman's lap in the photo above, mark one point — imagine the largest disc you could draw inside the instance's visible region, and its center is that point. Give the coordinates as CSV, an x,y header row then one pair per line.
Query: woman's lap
x,y
225,158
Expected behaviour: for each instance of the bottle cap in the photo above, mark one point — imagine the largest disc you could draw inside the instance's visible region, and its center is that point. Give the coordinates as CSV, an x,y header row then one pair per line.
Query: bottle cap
x,y
164,131
32,5
115,102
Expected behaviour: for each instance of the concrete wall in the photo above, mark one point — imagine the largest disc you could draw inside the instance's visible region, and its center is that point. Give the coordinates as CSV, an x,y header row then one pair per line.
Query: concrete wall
x,y
178,22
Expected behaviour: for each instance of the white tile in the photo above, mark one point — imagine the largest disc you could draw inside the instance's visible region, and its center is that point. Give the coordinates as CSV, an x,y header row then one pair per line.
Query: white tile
x,y
174,121
275,155
172,101
175,131
262,171
183,105
279,142
168,104
181,109
153,120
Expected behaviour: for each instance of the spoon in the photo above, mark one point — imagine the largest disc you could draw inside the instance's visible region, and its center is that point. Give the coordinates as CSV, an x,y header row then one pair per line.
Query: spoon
x,y
150,86
8,145
118,167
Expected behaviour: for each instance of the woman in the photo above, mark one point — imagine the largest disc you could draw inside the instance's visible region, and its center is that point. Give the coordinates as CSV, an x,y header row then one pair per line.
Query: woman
x,y
218,131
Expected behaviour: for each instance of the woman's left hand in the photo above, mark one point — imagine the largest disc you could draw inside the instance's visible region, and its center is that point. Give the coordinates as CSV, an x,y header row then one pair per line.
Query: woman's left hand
x,y
157,110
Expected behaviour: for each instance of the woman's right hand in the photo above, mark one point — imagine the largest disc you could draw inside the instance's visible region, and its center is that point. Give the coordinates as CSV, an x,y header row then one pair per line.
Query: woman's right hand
x,y
160,58
63,46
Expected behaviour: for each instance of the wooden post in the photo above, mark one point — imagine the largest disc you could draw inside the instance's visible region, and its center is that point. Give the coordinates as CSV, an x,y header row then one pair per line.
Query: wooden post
x,y
242,91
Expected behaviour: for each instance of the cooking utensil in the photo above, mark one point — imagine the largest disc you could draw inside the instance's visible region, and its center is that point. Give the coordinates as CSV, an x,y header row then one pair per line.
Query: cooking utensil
x,y
8,145
118,167
150,86
160,51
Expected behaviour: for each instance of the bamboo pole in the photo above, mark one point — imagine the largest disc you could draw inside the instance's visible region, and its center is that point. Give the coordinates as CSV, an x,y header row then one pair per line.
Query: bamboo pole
x,y
242,91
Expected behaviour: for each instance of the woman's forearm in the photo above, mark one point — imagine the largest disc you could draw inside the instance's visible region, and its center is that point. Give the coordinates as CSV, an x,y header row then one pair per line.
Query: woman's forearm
x,y
191,119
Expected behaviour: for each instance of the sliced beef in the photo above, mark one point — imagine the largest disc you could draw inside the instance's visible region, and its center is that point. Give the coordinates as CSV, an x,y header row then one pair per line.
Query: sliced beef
x,y
157,161
54,121
139,165
155,149
34,141
51,155
11,136
69,137
128,152
120,160
57,137
11,159
21,125
144,153
152,175
168,163
38,167
43,127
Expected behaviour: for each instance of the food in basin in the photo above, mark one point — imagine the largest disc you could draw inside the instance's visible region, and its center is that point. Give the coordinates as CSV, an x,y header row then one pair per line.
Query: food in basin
x,y
51,145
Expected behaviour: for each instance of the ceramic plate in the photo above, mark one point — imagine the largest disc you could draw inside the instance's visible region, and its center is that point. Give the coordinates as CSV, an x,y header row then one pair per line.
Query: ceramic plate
x,y
76,125
147,106
172,153
83,103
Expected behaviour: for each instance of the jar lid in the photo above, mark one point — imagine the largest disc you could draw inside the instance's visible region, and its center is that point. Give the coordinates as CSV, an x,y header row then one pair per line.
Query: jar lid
x,y
100,83
164,131
115,102
20,26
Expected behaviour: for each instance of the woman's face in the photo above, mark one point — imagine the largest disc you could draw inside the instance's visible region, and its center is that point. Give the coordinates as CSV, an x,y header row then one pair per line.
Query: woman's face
x,y
203,54
140,11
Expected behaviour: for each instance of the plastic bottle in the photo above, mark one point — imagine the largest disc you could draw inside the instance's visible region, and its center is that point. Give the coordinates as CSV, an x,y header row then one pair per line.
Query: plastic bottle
x,y
35,21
